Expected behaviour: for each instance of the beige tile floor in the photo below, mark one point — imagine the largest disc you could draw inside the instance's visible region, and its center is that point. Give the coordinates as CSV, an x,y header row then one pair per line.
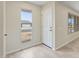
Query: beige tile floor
x,y
41,51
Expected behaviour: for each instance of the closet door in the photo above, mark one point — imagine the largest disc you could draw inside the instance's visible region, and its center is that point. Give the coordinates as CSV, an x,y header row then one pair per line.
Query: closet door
x,y
47,26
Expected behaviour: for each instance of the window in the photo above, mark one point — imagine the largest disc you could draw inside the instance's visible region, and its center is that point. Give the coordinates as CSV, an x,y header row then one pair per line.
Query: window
x,y
73,23
26,19
77,23
26,25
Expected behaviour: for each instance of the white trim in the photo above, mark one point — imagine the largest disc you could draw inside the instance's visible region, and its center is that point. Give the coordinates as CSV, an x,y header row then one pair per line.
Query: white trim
x,y
64,44
4,29
37,43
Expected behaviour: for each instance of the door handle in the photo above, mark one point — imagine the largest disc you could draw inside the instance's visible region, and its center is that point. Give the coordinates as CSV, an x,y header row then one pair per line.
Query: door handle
x,y
50,30
5,34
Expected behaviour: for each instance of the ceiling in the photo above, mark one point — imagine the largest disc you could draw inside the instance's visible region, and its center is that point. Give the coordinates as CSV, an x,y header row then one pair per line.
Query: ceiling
x,y
71,4
39,3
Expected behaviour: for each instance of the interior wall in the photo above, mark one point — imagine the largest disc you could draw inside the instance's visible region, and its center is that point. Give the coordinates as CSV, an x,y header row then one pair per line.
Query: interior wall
x,y
61,25
1,29
13,25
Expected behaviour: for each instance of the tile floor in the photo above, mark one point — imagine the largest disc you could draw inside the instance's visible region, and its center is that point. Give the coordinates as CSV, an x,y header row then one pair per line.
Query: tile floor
x,y
42,51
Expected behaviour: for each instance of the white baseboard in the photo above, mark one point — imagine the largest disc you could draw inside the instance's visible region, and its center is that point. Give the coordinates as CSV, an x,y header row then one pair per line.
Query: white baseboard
x,y
64,44
10,52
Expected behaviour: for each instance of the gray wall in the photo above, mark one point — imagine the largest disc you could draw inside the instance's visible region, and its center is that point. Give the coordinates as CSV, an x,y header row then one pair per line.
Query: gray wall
x,y
61,25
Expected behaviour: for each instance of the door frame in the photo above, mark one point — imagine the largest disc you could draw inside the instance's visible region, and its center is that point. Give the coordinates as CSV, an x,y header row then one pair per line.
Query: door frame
x,y
4,29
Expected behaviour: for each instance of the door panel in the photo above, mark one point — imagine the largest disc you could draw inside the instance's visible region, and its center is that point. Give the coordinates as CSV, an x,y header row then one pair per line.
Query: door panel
x,y
47,26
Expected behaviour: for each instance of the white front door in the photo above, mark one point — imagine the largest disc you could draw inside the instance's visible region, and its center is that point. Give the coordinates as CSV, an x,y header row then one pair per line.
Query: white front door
x,y
47,26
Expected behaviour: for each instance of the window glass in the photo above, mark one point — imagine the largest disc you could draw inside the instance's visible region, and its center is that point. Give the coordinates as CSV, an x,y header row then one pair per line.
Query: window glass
x,y
73,22
26,15
26,25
